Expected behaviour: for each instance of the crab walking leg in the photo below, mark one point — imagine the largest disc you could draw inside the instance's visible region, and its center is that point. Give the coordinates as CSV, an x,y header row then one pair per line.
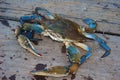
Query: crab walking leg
x,y
45,12
101,42
86,48
23,19
74,54
25,43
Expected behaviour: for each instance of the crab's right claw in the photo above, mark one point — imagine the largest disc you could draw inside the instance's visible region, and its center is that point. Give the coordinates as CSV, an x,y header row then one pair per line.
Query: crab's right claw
x,y
26,44
92,25
56,71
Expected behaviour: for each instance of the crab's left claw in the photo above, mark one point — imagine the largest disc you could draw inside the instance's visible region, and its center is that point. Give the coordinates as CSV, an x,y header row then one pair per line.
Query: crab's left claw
x,y
26,44
101,42
56,71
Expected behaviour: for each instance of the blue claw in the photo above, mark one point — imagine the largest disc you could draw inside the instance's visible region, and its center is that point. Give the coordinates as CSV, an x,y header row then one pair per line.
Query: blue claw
x,y
103,44
90,22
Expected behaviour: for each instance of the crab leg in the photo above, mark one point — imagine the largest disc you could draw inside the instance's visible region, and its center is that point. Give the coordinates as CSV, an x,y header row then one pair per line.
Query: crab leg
x,y
86,48
101,42
44,12
23,19
38,15
25,43
75,57
92,26
74,53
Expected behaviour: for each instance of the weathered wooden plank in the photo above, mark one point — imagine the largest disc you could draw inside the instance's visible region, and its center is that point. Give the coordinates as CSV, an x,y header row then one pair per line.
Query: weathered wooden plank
x,y
107,17
15,60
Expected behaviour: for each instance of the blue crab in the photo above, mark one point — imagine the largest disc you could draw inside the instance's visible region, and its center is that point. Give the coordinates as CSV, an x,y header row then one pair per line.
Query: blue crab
x,y
45,23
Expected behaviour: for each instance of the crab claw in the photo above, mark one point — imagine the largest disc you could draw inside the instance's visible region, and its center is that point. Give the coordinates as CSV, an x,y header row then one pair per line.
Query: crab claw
x,y
91,25
56,71
90,22
25,43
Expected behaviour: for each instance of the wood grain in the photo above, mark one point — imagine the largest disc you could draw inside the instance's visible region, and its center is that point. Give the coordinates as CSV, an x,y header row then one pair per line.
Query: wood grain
x,y
15,61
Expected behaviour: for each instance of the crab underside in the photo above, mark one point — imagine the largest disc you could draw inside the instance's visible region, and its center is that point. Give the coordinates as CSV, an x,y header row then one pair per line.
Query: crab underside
x,y
43,22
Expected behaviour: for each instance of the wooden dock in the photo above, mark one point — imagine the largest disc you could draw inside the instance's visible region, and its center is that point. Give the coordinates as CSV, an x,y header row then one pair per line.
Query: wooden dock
x,y
16,63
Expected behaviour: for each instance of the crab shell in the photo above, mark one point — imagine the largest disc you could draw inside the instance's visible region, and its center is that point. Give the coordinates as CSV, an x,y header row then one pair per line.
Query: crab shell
x,y
64,27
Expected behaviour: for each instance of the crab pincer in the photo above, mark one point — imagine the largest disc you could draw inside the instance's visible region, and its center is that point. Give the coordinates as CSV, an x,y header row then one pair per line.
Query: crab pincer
x,y
25,43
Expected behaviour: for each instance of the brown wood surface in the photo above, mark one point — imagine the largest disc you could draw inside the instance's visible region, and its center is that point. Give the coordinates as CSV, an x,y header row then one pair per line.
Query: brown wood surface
x,y
15,62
